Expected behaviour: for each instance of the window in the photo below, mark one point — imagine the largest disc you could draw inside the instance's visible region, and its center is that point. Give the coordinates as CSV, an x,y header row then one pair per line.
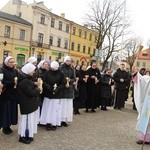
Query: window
x,y
88,63
67,28
77,62
138,64
95,39
42,19
58,42
7,31
85,35
78,48
66,44
89,50
60,25
40,37
74,31
84,49
72,45
52,22
144,54
94,51
144,64
80,32
22,34
90,37
5,54
51,40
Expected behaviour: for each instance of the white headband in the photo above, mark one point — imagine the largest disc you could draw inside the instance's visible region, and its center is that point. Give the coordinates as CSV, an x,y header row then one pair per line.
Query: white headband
x,y
54,65
67,58
7,59
32,60
28,68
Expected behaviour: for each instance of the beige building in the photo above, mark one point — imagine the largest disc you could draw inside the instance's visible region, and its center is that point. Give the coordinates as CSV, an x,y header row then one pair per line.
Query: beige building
x,y
15,37
83,43
144,59
50,38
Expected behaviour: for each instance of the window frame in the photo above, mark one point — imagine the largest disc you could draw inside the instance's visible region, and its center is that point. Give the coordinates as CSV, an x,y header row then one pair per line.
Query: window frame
x,y
6,31
22,34
60,25
52,22
42,21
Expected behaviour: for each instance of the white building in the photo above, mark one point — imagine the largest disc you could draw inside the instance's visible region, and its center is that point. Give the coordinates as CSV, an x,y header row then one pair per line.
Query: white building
x,y
51,33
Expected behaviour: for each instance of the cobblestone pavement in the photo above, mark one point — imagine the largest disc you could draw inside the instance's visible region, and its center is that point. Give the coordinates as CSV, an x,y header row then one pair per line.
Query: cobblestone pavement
x,y
111,130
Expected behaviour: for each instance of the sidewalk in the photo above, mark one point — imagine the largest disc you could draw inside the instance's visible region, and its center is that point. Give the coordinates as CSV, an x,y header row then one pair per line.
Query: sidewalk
x,y
111,130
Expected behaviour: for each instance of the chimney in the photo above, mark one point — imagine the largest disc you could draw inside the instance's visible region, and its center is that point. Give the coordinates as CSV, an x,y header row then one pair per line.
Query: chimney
x,y
86,25
62,15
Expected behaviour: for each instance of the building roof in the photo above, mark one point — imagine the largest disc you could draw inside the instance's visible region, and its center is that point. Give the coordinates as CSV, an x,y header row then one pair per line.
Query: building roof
x,y
14,18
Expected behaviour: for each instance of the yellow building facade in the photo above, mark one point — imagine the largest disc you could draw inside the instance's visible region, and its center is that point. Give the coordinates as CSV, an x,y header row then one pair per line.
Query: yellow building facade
x,y
15,37
82,43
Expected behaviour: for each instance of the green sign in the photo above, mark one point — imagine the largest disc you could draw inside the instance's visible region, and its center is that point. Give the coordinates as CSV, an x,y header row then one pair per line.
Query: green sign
x,y
21,48
56,53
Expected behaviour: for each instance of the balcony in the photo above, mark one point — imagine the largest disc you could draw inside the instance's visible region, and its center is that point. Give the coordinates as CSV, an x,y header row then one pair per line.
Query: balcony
x,y
37,44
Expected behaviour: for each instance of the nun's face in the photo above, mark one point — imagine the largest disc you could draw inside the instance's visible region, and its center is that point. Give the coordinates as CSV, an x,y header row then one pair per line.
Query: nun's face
x,y
11,63
45,66
94,65
68,62
31,73
34,63
84,68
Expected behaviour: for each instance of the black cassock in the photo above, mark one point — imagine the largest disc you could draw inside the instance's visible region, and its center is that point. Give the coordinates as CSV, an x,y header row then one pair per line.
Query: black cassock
x,y
79,101
93,88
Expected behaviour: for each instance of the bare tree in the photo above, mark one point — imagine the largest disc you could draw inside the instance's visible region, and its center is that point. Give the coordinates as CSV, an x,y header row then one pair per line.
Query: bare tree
x,y
132,47
107,17
148,43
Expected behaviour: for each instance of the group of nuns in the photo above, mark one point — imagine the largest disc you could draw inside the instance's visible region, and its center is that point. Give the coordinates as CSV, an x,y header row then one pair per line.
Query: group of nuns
x,y
44,93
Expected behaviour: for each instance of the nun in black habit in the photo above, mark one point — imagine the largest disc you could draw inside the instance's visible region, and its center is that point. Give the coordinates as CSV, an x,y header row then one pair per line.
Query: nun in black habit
x,y
79,101
8,99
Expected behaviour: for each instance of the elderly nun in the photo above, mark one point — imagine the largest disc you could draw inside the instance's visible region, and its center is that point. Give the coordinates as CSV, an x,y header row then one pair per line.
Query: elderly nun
x,y
42,67
68,92
51,109
8,102
29,102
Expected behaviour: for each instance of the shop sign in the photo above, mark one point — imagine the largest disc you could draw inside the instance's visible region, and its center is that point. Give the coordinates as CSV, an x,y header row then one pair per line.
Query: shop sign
x,y
21,48
56,53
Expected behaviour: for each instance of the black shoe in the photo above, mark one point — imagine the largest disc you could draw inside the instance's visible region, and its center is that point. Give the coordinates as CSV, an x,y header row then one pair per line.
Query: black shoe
x,y
31,139
78,113
24,140
74,112
64,124
10,130
139,142
48,127
41,125
86,110
54,128
7,130
92,110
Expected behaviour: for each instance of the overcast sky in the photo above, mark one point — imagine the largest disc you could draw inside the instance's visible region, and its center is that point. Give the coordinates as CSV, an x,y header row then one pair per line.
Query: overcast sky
x,y
74,10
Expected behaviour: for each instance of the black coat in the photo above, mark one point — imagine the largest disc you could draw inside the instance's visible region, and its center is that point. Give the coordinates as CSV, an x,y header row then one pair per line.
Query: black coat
x,y
51,78
106,91
28,94
9,92
69,72
118,75
40,73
